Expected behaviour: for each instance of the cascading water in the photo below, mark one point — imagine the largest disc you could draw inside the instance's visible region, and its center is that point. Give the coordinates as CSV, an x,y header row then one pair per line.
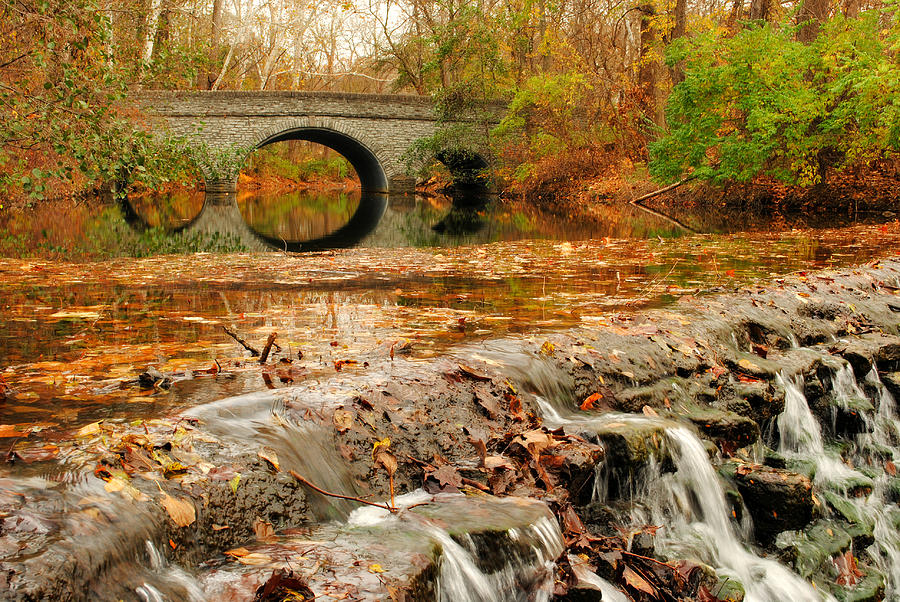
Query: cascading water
x,y
692,506
801,439
524,570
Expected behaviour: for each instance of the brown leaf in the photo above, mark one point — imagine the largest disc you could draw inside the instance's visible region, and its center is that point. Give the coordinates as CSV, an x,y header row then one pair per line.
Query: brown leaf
x,y
515,407
473,374
489,404
264,531
632,579
890,468
848,572
480,449
268,454
535,441
343,419
181,510
492,462
387,460
648,411
448,475
571,521
704,595
283,585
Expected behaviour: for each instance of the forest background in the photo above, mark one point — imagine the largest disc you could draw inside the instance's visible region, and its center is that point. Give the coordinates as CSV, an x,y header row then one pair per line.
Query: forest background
x,y
602,95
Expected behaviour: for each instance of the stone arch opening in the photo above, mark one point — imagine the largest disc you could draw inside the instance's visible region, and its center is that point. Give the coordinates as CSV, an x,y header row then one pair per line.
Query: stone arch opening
x,y
372,177
469,169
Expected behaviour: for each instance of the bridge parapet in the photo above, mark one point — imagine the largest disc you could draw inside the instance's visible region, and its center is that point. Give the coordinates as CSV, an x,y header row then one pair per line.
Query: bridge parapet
x,y
373,131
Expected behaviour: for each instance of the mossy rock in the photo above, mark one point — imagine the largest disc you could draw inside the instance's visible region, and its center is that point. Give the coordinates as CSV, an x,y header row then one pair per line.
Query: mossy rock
x,y
808,550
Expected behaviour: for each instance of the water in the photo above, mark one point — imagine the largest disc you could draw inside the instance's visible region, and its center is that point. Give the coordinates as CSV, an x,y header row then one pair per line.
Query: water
x,y
801,438
486,549
701,527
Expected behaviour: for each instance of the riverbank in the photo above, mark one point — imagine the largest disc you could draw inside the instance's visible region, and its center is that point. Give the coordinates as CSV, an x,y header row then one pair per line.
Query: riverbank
x,y
572,420
862,194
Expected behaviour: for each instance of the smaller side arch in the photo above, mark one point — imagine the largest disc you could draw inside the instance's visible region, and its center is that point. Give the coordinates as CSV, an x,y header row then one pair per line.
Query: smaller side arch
x,y
365,160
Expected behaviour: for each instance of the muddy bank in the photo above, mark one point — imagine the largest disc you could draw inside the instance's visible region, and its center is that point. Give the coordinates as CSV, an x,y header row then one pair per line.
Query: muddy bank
x,y
497,418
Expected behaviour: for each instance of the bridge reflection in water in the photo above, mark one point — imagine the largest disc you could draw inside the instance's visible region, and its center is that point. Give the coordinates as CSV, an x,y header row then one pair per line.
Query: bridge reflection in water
x,y
221,216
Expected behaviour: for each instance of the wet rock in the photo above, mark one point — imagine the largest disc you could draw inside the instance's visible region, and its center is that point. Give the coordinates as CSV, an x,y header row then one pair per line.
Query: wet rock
x,y
812,552
630,442
152,378
871,349
723,426
891,380
758,401
778,500
808,550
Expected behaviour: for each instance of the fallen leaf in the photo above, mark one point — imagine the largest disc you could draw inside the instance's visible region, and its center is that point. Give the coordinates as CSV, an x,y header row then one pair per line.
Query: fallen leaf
x,y
588,404
448,475
375,568
634,580
268,454
233,483
264,531
492,462
181,511
848,572
88,430
472,373
387,460
254,559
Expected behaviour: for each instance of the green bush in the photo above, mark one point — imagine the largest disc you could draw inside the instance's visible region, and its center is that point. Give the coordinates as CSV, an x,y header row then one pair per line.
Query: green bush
x,y
762,103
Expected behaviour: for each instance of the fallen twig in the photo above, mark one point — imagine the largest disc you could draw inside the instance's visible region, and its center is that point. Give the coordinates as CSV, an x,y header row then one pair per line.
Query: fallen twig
x,y
339,496
253,351
265,352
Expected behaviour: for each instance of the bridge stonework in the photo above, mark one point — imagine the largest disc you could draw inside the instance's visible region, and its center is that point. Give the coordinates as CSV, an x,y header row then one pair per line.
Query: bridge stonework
x,y
372,131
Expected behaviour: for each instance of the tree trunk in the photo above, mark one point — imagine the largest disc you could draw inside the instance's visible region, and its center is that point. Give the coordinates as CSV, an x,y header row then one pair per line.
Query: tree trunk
x,y
811,15
760,9
647,77
678,32
215,36
150,31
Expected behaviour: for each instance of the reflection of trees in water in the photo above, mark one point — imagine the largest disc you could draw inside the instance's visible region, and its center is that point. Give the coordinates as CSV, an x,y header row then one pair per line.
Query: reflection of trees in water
x,y
297,215
168,211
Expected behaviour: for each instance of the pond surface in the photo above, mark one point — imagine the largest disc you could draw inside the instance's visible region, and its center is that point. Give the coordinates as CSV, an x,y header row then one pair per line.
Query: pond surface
x,y
75,336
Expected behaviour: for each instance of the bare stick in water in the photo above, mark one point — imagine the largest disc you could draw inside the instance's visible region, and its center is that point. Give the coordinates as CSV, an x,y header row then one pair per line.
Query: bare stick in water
x,y
267,348
339,496
241,342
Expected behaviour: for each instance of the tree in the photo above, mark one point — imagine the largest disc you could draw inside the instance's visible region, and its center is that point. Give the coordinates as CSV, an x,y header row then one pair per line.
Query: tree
x,y
764,103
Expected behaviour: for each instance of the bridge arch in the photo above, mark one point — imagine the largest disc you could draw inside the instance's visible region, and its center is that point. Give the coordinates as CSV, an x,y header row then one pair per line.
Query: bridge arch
x,y
369,161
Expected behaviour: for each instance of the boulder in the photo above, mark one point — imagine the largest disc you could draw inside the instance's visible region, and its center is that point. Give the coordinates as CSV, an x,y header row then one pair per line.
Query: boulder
x,y
777,499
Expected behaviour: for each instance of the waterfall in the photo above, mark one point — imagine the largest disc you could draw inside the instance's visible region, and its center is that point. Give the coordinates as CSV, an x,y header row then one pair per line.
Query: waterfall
x,y
801,438
692,506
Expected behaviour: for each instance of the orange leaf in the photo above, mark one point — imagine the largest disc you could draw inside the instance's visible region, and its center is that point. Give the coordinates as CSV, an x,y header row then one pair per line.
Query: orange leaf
x,y
588,404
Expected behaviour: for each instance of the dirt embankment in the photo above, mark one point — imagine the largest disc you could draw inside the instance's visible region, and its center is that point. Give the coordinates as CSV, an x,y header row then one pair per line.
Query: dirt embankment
x,y
471,422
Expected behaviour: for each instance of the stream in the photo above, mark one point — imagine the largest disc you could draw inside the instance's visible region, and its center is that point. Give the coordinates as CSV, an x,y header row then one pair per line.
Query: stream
x,y
78,340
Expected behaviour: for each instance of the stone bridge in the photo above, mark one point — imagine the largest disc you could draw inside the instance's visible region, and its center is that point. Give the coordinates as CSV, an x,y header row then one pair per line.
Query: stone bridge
x,y
372,131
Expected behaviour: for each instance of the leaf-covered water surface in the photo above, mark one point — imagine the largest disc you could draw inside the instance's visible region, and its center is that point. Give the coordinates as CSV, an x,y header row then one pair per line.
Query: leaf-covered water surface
x,y
78,340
